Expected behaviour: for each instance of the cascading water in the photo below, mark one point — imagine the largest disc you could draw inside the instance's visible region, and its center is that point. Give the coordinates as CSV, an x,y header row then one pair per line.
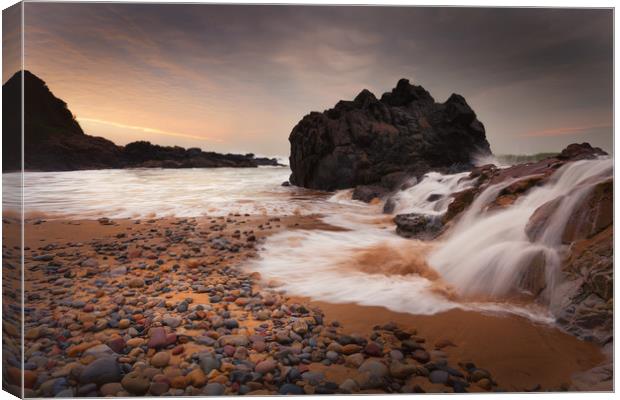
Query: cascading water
x,y
487,252
431,195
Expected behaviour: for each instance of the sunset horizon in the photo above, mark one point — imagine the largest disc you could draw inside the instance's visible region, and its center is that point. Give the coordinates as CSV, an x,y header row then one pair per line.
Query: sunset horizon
x,y
163,75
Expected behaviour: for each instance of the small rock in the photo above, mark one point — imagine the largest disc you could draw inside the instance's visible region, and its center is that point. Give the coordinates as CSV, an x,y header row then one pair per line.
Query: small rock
x,y
161,359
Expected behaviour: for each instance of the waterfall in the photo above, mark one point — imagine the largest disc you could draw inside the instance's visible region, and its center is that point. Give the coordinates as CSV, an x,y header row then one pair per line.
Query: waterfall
x,y
488,251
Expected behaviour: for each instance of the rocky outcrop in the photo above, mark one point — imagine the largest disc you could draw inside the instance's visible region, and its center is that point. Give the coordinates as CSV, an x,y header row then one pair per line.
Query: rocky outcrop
x,y
582,296
524,177
403,134
146,155
54,140
583,305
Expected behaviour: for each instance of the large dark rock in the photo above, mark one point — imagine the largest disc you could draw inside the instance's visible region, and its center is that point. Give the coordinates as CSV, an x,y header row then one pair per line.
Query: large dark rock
x,y
360,142
54,140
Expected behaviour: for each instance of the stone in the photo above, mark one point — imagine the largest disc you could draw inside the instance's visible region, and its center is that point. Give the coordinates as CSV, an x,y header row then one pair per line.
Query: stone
x,y
172,322
159,338
374,368
354,360
485,384
197,378
401,370
161,359
135,342
100,350
266,366
418,226
234,340
208,363
214,389
101,371
136,382
136,283
421,356
438,376
300,327
373,349
332,356
291,389
349,386
111,389
158,388
478,374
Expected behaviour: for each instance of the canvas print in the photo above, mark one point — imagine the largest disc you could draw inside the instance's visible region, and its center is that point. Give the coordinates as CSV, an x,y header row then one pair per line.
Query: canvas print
x,y
221,199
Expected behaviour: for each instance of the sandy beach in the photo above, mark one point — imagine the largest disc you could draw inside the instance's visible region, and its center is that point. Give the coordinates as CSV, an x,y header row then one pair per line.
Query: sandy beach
x,y
174,298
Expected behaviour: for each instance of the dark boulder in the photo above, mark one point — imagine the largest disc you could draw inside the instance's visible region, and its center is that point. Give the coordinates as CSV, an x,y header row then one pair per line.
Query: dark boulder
x,y
580,151
377,141
367,193
418,226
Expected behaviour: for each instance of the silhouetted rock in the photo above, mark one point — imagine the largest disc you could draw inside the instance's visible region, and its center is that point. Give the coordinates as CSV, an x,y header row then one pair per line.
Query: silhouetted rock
x,y
54,140
404,134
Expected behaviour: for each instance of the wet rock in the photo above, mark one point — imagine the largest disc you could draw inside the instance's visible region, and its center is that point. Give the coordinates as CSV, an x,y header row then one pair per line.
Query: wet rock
x,y
266,366
111,389
214,389
438,376
401,371
136,382
234,340
197,378
289,388
421,356
209,363
158,388
360,142
349,386
300,326
367,193
374,368
354,360
161,359
418,226
101,371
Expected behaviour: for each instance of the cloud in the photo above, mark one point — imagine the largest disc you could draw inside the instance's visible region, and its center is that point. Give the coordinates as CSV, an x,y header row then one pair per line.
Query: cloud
x,y
148,130
572,130
246,74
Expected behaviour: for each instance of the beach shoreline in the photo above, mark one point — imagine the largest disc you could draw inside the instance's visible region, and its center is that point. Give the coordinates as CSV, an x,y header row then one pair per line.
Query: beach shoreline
x,y
197,257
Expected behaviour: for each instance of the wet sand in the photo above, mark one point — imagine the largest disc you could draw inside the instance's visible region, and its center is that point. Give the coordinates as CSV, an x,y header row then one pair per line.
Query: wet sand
x,y
519,353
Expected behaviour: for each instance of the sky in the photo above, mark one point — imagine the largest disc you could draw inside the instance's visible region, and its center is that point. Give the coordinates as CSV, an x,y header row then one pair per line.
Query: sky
x,y
237,78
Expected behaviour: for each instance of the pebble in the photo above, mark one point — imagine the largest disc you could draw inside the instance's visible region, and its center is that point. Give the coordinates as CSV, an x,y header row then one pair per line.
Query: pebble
x,y
101,371
289,388
161,359
266,366
438,376
136,382
214,389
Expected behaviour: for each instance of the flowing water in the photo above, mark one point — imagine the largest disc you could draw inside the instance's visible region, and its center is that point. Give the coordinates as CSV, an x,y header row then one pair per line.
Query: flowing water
x,y
482,256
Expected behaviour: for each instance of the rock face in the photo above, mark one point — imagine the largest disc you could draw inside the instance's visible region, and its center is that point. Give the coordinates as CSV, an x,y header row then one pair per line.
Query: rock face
x,y
405,132
54,140
582,300
526,176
